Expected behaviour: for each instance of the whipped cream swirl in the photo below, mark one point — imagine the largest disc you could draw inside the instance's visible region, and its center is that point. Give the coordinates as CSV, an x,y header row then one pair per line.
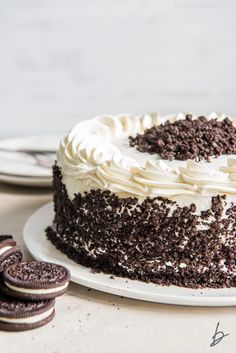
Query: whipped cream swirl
x,y
89,159
161,180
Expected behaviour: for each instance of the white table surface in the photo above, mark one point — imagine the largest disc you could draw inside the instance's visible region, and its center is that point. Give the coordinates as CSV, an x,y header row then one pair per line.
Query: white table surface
x,y
89,321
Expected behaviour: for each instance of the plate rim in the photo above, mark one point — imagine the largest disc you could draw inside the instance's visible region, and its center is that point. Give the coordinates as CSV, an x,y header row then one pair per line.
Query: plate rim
x,y
126,291
25,181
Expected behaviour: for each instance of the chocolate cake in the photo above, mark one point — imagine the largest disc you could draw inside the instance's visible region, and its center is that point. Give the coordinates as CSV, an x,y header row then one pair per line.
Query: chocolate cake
x,y
150,198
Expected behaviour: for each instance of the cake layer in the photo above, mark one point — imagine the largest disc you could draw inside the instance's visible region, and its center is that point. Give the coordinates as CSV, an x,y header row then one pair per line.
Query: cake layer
x,y
154,240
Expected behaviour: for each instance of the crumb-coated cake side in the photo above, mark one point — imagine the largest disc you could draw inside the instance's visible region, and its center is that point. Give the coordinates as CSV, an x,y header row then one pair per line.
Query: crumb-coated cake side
x,y
153,241
129,213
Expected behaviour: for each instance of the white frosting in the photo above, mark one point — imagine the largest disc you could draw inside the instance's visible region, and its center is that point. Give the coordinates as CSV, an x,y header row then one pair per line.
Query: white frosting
x,y
207,179
36,291
96,155
6,248
159,179
28,320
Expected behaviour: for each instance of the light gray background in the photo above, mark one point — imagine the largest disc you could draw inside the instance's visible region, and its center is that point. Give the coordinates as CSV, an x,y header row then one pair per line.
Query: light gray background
x,y
62,61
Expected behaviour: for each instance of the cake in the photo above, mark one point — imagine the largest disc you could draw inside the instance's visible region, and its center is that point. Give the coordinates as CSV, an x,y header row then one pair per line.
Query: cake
x,y
150,197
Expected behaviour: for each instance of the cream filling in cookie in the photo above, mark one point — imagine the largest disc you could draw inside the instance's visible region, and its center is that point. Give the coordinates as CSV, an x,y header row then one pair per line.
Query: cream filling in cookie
x,y
36,291
28,320
3,250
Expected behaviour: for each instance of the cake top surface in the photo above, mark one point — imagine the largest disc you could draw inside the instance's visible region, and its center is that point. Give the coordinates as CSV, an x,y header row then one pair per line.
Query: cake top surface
x,y
151,155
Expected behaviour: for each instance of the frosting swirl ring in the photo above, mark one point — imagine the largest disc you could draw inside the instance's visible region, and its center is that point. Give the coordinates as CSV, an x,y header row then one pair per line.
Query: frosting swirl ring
x,y
90,159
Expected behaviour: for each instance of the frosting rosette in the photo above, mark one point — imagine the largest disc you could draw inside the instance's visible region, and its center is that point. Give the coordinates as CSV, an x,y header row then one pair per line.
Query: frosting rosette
x,y
160,179
118,177
207,179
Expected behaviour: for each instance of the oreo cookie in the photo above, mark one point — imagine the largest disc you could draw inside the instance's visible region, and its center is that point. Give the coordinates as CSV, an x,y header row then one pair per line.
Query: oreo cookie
x,y
35,280
9,252
23,315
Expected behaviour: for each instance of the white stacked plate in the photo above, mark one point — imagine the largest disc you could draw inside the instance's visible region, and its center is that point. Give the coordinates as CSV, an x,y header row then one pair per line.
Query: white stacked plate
x,y
28,160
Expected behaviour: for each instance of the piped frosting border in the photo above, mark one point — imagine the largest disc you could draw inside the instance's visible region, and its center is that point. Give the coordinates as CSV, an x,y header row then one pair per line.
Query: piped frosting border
x,y
89,160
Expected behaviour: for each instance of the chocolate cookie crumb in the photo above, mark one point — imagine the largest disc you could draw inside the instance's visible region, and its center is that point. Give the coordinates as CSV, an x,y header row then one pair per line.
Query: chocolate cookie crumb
x,y
153,241
196,139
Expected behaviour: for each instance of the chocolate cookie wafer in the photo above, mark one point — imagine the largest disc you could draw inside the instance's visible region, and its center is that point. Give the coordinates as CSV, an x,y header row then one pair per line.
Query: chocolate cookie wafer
x,y
9,252
35,280
22,315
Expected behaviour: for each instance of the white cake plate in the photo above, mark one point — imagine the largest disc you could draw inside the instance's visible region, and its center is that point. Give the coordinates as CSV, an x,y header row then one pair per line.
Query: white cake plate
x,y
42,249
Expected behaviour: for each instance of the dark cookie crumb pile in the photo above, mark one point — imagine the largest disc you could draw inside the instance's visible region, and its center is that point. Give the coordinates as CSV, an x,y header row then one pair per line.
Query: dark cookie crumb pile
x,y
197,139
155,240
